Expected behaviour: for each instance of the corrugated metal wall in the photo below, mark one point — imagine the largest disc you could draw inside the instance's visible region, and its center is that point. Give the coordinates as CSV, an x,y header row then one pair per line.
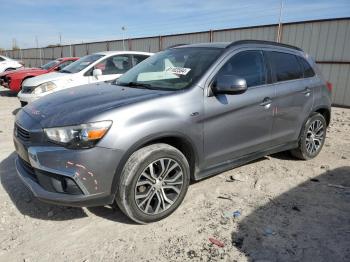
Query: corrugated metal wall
x,y
327,41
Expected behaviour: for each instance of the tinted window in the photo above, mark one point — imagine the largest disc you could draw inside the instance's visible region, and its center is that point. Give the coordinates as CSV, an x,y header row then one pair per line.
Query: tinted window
x,y
50,64
248,65
81,64
2,59
138,58
285,66
115,65
307,69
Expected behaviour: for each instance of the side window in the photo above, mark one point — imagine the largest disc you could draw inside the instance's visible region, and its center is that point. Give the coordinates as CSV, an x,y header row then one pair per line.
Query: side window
x,y
138,58
306,67
118,64
64,64
248,65
1,59
285,66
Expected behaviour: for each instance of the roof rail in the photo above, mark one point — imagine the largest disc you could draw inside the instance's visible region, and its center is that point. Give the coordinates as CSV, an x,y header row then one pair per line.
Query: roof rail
x,y
241,42
172,46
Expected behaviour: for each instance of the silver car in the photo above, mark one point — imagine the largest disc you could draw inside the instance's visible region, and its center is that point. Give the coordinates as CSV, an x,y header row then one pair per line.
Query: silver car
x,y
186,113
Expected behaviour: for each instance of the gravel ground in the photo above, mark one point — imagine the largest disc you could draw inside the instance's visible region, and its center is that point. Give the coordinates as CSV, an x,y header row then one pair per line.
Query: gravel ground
x,y
287,210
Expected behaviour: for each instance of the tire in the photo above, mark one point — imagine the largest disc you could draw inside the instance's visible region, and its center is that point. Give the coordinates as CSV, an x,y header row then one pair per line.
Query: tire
x,y
164,195
312,138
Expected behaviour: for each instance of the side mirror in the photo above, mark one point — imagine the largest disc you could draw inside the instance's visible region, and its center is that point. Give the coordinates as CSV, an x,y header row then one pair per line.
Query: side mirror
x,y
58,68
97,72
229,84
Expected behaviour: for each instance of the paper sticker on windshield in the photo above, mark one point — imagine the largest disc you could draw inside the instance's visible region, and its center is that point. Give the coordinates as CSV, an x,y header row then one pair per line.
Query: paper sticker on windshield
x,y
178,70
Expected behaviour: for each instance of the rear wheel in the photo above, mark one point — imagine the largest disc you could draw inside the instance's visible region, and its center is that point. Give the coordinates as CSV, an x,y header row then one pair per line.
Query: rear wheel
x,y
153,183
312,138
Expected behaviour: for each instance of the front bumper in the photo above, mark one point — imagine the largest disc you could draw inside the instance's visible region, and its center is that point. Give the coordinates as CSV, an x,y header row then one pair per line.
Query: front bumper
x,y
41,168
28,98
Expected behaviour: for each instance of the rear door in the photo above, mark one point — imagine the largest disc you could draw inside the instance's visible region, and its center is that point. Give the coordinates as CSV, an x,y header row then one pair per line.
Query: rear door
x,y
294,96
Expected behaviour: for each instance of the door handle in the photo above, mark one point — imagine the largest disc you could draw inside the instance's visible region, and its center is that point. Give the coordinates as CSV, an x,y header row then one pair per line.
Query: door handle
x,y
266,102
306,91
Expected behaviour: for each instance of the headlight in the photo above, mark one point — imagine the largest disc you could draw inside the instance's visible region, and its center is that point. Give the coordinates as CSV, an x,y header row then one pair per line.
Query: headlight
x,y
80,136
44,87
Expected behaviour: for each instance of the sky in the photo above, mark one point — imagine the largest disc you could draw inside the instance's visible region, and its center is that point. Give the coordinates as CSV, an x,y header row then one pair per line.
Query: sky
x,y
80,21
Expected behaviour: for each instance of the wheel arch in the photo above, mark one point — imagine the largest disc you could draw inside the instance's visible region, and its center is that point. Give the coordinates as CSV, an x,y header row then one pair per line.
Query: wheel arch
x,y
26,77
325,112
177,140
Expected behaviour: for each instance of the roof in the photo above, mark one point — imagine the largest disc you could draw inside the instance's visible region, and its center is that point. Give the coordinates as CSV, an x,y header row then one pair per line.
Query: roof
x,y
209,45
224,45
122,52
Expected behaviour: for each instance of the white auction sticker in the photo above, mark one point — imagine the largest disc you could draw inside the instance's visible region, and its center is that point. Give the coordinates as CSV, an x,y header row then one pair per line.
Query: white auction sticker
x,y
178,70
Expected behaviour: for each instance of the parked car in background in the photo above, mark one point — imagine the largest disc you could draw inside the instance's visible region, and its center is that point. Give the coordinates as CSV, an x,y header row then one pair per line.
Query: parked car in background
x,y
188,112
8,64
94,68
14,79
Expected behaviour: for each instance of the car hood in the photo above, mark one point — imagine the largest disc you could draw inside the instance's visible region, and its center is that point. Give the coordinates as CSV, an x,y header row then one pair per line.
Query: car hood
x,y
79,104
25,71
53,76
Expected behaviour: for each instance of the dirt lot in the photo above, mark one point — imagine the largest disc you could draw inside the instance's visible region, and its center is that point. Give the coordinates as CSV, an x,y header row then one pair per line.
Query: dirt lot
x,y
289,211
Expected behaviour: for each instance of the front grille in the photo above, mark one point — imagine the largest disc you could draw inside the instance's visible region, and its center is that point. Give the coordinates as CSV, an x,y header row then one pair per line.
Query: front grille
x,y
21,133
27,89
29,169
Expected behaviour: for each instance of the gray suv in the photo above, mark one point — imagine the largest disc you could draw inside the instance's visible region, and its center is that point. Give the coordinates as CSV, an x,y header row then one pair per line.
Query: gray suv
x,y
186,113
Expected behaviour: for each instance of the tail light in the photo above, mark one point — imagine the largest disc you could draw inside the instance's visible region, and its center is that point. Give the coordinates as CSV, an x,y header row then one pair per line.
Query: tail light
x,y
329,86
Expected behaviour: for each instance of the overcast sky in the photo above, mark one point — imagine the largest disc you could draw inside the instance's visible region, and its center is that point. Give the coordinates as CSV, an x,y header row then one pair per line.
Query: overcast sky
x,y
97,20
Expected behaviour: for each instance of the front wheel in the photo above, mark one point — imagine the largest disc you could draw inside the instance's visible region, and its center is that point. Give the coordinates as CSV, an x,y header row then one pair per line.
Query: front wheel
x,y
153,183
312,138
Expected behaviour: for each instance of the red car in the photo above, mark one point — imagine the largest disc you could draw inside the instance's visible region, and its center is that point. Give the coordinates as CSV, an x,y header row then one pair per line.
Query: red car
x,y
14,79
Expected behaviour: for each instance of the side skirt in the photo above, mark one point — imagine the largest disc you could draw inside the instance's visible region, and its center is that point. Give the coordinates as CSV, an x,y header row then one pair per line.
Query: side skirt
x,y
230,164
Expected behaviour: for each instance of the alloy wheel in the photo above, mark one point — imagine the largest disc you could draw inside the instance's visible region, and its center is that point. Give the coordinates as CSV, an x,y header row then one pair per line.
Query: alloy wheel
x,y
314,137
159,186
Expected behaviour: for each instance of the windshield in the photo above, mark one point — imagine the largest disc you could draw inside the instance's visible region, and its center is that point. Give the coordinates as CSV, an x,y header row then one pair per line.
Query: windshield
x,y
173,69
81,64
50,64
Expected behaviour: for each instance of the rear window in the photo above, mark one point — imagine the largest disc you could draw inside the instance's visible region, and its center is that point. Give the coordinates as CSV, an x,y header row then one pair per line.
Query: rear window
x,y
306,68
285,66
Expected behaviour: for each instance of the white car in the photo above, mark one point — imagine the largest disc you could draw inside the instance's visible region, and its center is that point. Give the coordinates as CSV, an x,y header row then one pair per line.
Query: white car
x,y
98,67
7,64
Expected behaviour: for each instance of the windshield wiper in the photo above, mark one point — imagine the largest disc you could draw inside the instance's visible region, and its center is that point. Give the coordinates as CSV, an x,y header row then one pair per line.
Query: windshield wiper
x,y
65,71
136,84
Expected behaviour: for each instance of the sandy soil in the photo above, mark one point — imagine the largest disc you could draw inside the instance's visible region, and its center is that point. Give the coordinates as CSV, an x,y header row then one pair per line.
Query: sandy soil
x,y
289,211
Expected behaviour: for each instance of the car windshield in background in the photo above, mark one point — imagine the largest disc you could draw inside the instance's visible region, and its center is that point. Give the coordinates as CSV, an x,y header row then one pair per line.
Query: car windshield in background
x,y
173,69
50,64
81,64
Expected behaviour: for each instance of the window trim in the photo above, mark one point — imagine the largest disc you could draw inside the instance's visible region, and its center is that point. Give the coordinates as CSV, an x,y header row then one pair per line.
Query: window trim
x,y
226,58
300,60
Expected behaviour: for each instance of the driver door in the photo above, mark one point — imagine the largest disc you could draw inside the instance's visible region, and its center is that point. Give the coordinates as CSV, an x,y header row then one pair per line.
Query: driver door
x,y
112,68
240,124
